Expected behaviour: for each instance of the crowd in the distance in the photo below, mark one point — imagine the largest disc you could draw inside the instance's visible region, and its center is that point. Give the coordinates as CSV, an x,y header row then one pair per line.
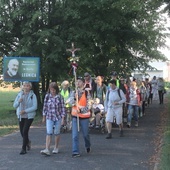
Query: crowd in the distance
x,y
117,99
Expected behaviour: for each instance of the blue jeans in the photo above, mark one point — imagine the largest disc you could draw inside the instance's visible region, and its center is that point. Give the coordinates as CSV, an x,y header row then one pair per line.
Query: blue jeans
x,y
84,124
53,126
133,109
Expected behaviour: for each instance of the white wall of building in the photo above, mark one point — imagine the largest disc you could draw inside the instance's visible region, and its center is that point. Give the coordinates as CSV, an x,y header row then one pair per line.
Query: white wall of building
x,y
162,71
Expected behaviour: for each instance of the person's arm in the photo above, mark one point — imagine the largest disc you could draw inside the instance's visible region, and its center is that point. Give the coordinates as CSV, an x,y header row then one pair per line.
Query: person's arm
x,y
123,97
62,107
17,101
71,99
106,101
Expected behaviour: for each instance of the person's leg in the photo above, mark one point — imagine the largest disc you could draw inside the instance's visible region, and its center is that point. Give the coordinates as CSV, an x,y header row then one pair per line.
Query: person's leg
x,y
57,135
69,118
84,123
48,141
143,107
136,115
26,128
109,121
98,116
49,131
49,128
75,136
46,151
109,127
119,118
57,139
148,99
130,113
21,126
123,109
140,111
160,96
151,97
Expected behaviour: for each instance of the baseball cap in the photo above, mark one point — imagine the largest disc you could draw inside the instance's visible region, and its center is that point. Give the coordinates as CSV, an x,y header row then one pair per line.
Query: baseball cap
x,y
114,73
80,78
86,74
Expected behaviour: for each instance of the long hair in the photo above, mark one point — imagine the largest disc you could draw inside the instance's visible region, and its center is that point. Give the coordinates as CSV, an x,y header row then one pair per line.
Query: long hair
x,y
55,86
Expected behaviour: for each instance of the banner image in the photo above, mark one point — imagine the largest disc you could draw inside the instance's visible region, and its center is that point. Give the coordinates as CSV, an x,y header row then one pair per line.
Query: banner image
x,y
21,69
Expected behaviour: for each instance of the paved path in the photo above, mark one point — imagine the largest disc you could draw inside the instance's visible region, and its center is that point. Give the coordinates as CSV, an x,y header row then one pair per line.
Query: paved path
x,y
131,152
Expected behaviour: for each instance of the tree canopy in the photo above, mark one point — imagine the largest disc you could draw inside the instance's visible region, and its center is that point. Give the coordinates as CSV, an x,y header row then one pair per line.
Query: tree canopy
x,y
120,35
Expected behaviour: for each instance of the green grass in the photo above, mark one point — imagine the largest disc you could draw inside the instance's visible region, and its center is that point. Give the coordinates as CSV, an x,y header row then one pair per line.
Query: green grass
x,y
8,118
165,152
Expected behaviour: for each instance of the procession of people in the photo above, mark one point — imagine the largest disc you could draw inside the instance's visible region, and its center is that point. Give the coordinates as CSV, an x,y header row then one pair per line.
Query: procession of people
x,y
117,100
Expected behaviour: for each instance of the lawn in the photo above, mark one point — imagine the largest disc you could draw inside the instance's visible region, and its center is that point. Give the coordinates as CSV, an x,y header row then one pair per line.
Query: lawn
x,y
8,118
165,152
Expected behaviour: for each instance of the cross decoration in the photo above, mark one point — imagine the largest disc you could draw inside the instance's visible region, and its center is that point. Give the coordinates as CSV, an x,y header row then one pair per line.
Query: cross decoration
x,y
73,59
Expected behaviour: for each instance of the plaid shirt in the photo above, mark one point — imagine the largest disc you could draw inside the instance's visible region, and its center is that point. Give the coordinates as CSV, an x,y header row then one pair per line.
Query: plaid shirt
x,y
54,107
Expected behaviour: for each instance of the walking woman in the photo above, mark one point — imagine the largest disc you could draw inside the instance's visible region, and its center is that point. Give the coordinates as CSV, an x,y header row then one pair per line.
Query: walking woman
x,y
53,113
161,87
26,106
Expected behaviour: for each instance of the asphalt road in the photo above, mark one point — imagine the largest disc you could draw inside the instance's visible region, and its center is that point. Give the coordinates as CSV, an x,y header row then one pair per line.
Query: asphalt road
x,y
134,151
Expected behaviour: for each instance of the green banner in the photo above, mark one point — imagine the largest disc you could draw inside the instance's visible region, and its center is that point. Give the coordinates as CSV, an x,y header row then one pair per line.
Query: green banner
x,y
21,69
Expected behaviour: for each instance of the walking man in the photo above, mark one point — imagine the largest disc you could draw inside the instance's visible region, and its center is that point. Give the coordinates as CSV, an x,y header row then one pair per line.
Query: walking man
x,y
113,106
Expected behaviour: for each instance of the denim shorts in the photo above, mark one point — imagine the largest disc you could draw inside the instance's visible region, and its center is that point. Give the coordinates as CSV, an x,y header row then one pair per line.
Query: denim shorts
x,y
53,127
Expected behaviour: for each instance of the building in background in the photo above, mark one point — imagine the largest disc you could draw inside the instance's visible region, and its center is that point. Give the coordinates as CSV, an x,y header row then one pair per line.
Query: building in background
x,y
162,70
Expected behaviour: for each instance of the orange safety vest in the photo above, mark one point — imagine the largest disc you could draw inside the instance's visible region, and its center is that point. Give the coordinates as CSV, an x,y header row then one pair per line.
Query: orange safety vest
x,y
82,102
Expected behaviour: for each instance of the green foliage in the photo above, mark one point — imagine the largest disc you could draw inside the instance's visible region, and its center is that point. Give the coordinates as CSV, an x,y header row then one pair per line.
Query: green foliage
x,y
113,35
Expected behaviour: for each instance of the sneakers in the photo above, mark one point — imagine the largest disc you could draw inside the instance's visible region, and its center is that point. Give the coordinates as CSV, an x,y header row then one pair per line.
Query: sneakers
x,y
75,155
55,151
121,133
136,124
29,146
45,152
23,152
97,127
88,150
141,114
128,124
109,136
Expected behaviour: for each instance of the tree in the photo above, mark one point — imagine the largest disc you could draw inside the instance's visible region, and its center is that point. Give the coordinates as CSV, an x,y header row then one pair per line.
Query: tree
x,y
113,35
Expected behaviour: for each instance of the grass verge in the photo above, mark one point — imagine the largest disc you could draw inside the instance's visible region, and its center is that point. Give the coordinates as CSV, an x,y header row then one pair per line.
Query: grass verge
x,y
165,152
8,118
